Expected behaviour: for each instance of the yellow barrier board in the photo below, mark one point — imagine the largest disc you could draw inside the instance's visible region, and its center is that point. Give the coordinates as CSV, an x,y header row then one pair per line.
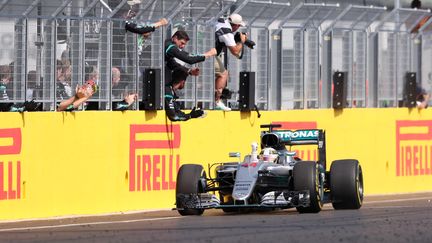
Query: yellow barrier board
x,y
56,164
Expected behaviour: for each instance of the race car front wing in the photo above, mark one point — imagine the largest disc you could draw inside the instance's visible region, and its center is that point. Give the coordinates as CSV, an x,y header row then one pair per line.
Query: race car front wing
x,y
282,199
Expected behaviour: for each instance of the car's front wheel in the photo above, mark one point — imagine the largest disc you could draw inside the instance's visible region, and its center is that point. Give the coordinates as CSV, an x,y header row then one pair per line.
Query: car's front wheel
x,y
190,180
307,177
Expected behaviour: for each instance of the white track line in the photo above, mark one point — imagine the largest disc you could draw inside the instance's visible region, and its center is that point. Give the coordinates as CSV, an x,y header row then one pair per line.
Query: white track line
x,y
86,224
167,218
400,200
392,200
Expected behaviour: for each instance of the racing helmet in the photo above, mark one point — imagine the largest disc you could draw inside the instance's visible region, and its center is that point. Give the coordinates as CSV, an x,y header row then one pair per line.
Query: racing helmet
x,y
269,155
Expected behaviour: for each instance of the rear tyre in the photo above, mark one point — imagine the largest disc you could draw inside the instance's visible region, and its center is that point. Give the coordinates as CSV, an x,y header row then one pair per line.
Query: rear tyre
x,y
190,180
306,177
346,184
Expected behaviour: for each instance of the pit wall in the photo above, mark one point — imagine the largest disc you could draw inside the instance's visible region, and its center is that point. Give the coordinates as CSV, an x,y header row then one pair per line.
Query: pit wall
x,y
81,163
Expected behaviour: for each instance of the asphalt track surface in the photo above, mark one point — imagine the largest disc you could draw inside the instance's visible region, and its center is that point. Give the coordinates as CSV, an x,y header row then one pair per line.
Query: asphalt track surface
x,y
392,218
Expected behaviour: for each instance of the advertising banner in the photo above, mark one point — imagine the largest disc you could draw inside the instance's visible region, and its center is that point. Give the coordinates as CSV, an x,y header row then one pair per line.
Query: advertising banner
x,y
80,163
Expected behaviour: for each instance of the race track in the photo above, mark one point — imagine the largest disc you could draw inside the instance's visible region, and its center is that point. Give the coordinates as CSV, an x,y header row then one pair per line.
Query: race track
x,y
395,218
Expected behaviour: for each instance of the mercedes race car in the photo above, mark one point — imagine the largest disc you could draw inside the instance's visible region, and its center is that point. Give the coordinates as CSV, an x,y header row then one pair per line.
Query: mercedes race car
x,y
274,178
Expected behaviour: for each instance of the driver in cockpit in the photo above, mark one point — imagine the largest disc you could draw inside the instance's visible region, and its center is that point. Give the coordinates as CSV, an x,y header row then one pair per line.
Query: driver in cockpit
x,y
269,155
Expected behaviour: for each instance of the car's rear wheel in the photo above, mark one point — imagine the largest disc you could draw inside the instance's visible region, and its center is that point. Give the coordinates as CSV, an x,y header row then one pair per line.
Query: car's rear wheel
x,y
190,180
307,177
346,184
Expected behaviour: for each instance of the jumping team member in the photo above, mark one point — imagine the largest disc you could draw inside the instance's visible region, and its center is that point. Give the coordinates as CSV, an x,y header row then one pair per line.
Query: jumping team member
x,y
174,50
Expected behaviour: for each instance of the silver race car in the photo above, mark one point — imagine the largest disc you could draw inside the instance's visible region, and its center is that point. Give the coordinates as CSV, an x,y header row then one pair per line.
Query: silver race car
x,y
273,178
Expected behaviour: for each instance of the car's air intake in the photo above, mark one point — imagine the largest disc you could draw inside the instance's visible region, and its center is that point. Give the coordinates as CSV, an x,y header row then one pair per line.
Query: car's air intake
x,y
270,140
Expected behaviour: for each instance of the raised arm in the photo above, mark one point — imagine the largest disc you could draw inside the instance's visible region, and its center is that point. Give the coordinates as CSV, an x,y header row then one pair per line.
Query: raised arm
x,y
142,28
83,93
173,51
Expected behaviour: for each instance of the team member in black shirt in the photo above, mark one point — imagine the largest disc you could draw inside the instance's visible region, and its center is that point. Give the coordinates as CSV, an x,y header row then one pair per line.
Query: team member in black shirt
x,y
174,50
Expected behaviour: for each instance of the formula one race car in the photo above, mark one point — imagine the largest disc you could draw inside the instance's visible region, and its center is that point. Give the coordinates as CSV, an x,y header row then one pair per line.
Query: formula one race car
x,y
275,178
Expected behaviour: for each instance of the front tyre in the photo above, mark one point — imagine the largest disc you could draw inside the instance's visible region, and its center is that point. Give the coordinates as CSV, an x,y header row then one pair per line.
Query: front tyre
x,y
306,177
190,180
346,184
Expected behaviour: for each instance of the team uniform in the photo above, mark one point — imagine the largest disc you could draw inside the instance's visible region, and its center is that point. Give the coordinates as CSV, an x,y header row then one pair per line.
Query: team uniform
x,y
172,52
172,106
139,28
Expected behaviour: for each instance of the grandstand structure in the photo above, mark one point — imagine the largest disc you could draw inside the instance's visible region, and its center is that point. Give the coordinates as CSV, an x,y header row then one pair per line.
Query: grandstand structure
x,y
299,46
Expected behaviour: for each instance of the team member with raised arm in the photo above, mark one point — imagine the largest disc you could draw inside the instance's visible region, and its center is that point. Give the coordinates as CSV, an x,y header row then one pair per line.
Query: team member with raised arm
x,y
174,50
142,29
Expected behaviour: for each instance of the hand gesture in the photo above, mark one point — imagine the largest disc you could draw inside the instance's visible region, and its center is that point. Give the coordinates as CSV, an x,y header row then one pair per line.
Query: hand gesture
x,y
79,92
161,22
243,37
194,71
85,91
130,98
210,53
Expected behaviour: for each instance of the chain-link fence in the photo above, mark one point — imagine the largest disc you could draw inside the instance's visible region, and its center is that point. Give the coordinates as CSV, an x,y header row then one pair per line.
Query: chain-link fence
x,y
48,47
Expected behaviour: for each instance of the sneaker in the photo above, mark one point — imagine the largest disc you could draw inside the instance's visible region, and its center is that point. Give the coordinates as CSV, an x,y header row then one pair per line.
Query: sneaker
x,y
203,115
221,106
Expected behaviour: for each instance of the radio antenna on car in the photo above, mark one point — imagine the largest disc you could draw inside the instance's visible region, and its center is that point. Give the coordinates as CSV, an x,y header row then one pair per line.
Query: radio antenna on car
x,y
270,126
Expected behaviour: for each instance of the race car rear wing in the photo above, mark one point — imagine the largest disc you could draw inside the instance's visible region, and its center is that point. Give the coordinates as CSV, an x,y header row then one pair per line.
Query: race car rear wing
x,y
276,138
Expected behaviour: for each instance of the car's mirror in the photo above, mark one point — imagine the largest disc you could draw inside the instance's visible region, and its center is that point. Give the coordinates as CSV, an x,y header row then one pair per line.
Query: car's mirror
x,y
234,154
